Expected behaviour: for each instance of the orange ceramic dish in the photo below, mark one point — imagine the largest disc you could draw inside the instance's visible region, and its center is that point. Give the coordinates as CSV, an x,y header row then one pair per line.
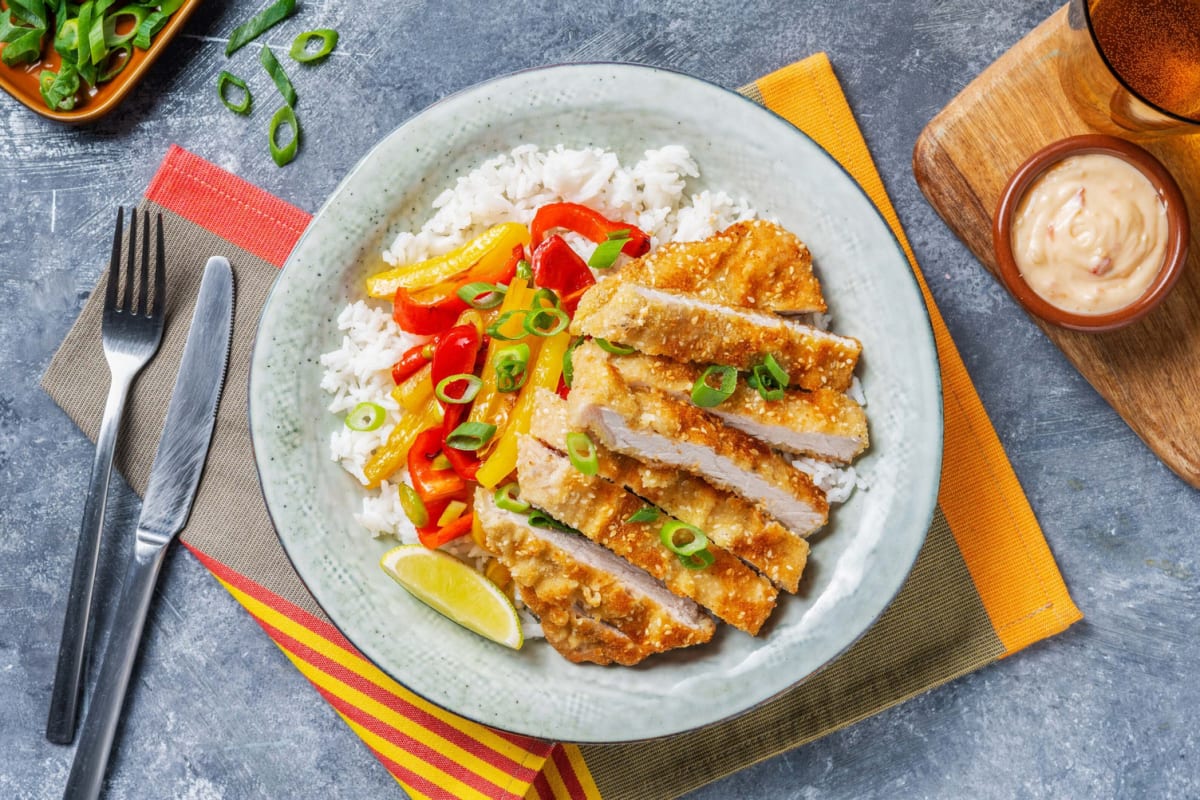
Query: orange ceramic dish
x,y
1026,179
21,81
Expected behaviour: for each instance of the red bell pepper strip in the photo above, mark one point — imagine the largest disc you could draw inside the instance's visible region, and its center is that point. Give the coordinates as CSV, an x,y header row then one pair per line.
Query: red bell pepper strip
x,y
556,266
413,359
464,462
431,484
588,223
434,309
434,537
455,354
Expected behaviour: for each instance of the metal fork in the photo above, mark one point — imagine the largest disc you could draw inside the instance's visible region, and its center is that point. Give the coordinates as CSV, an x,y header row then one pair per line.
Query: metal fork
x,y
131,336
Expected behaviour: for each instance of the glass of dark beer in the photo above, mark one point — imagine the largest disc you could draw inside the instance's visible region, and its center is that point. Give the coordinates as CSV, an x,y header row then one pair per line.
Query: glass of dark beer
x,y
1133,66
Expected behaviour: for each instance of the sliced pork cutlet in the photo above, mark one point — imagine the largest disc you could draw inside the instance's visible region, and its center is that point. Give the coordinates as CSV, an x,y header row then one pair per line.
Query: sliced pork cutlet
x,y
600,510
652,426
593,605
687,328
821,423
754,264
733,523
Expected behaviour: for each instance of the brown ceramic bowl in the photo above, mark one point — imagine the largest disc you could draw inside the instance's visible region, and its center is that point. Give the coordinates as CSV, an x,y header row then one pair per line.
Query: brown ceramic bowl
x,y
1177,231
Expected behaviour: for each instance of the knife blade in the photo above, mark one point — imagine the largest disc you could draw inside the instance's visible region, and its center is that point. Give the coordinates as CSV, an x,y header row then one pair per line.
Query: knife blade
x,y
174,478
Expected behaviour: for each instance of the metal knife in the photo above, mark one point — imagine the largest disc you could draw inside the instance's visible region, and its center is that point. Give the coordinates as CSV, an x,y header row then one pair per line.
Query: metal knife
x,y
178,464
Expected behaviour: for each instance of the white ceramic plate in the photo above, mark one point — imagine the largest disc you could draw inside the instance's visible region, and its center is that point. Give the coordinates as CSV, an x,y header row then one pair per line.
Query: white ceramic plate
x,y
858,563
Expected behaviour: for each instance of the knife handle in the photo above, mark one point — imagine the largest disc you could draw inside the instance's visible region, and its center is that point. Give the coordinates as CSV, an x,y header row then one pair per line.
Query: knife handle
x,y
100,726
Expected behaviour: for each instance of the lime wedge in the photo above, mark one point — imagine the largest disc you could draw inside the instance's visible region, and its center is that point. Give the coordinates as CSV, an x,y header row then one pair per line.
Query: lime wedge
x,y
453,589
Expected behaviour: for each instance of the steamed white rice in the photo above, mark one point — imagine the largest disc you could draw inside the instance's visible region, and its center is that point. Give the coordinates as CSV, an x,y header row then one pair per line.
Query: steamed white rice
x,y
651,194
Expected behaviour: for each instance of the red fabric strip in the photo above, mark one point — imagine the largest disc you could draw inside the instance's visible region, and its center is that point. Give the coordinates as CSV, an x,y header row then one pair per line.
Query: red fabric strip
x,y
541,785
566,771
237,211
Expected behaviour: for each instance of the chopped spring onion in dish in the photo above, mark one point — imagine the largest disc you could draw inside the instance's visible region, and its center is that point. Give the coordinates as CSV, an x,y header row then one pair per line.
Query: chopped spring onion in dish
x,y
470,436
547,295
275,70
300,52
645,514
568,367
615,349
224,81
605,255
259,24
471,386
698,560
768,379
540,519
546,321
365,417
706,395
413,506
481,295
496,329
284,154
682,539
582,452
512,367
508,497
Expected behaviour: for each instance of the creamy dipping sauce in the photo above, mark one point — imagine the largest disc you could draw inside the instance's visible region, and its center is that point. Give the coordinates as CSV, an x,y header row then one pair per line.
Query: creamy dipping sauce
x,y
1090,234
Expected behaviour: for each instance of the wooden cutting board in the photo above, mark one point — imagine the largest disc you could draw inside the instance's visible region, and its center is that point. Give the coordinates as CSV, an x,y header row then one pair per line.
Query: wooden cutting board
x,y
1149,372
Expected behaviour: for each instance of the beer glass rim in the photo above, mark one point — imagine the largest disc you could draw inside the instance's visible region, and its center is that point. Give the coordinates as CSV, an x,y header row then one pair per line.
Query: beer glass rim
x,y
1087,15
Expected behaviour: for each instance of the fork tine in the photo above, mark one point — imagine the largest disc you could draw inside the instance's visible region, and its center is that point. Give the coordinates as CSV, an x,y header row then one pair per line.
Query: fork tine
x,y
131,264
160,274
114,263
143,288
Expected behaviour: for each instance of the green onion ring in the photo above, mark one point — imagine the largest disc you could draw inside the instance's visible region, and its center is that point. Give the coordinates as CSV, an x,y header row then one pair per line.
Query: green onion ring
x,y
534,321
568,367
284,155
544,294
300,51
615,349
508,498
154,23
582,452
761,380
224,81
494,331
470,435
777,372
695,544
413,505
258,24
698,560
645,514
482,295
365,417
605,255
117,60
137,13
468,394
512,367
271,64
540,519
705,395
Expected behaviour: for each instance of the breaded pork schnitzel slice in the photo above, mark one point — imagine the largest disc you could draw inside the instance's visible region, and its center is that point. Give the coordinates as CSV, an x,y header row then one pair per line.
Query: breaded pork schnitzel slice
x,y
652,426
733,523
593,605
600,510
821,423
755,264
687,328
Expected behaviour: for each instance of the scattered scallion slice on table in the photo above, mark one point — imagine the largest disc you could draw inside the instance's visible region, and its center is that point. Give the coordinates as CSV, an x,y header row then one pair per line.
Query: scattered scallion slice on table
x,y
271,64
224,81
300,52
259,24
705,394
284,154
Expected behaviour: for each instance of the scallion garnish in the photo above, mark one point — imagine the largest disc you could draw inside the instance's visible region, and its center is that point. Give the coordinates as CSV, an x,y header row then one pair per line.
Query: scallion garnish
x,y
275,70
615,349
154,22
682,539
768,379
544,298
698,560
524,270
283,155
568,368
481,295
777,372
621,234
705,394
540,519
413,506
365,417
495,330
137,14
546,321
470,383
300,51
645,514
582,452
512,367
114,62
440,463
471,435
258,24
508,497
605,255
224,81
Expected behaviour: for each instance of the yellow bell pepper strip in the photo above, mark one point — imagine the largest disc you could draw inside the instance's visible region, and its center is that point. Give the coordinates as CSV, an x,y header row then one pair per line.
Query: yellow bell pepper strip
x,y
392,454
518,297
414,393
546,372
487,252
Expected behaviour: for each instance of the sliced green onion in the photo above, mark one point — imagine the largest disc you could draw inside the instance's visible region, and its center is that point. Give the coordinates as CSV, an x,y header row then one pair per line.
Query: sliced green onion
x,y
568,368
508,497
698,560
155,22
540,519
271,64
494,330
582,452
645,514
83,24
115,62
777,372
413,505
482,295
66,39
682,539
621,234
471,435
454,509
59,89
96,48
547,295
524,270
546,321
365,417
605,255
224,81
284,155
470,388
137,13
705,395
440,463
300,51
761,380
258,24
615,349
512,367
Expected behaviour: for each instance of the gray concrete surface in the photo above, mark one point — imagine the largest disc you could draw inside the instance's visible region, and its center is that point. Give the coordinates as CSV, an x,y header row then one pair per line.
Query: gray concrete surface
x,y
1105,710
